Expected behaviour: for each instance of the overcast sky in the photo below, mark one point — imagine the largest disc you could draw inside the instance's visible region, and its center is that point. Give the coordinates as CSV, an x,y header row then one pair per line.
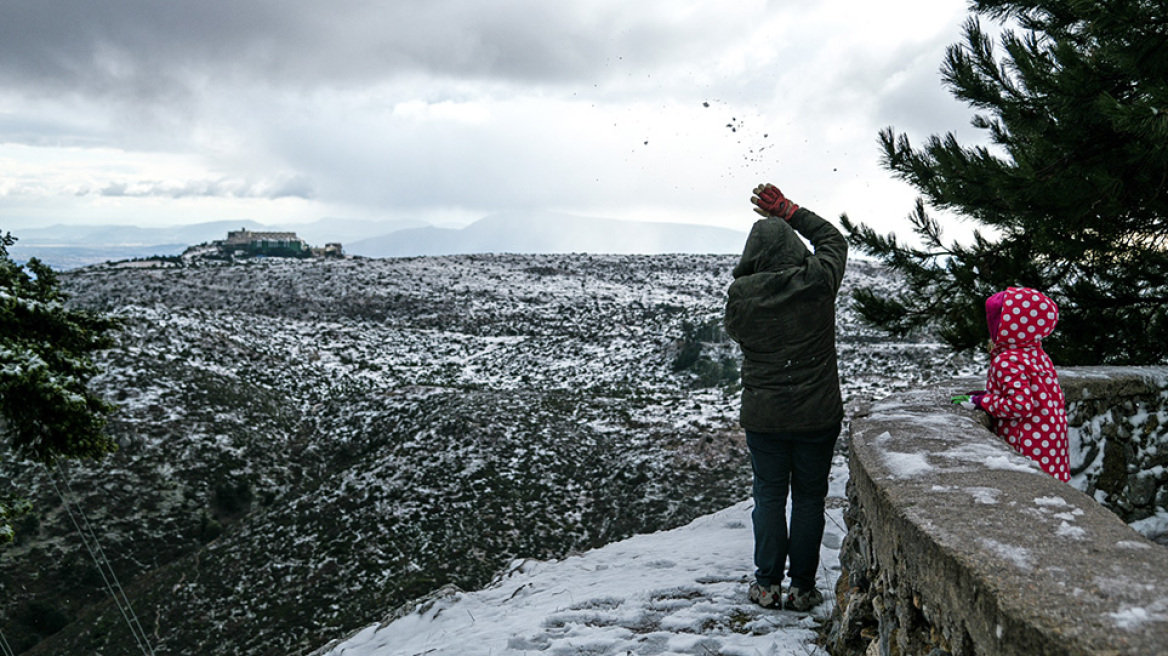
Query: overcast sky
x,y
154,112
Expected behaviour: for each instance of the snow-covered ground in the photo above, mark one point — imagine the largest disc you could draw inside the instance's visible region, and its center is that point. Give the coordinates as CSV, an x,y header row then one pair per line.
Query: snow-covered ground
x,y
673,592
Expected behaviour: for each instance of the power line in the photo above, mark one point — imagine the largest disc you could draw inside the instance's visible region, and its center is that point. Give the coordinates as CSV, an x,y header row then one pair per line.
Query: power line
x,y
5,649
89,539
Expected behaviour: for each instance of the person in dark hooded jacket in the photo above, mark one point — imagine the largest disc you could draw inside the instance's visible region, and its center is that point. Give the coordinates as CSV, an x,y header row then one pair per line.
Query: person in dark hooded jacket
x,y
781,311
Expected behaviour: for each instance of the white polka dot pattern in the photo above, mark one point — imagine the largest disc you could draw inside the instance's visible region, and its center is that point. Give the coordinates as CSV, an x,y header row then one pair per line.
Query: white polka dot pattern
x,y
1022,389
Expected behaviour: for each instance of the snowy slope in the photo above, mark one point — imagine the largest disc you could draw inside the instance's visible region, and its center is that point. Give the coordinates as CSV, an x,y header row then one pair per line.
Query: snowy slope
x,y
673,592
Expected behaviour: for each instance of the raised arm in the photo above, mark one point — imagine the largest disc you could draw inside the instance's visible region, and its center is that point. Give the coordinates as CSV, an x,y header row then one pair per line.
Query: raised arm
x,y
831,247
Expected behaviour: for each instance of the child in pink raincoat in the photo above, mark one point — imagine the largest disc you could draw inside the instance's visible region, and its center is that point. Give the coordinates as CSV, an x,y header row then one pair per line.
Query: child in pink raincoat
x,y
1022,387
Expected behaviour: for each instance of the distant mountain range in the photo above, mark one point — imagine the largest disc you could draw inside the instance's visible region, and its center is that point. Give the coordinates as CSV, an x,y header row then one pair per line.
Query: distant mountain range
x,y
73,246
549,232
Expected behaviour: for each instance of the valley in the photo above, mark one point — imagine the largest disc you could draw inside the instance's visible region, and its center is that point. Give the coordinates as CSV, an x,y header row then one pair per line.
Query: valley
x,y
306,445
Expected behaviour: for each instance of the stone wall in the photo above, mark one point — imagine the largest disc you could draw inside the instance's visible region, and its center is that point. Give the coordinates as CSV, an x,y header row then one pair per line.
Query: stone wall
x,y
1119,442
958,545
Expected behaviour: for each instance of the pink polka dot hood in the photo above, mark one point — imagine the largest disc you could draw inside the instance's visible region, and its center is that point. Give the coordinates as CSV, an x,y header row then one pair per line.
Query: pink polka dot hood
x,y
1029,316
1022,388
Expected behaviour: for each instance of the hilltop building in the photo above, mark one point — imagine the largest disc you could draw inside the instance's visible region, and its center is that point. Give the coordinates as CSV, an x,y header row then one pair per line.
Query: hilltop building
x,y
282,244
264,243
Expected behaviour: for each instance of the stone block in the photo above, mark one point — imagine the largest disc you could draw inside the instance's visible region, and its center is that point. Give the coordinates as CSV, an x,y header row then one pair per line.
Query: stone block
x,y
1141,490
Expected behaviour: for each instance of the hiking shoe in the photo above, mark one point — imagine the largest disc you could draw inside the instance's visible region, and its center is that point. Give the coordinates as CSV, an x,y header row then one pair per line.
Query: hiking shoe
x,y
803,600
771,597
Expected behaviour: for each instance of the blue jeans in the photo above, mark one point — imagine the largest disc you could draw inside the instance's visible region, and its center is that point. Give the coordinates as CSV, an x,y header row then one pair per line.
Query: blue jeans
x,y
799,462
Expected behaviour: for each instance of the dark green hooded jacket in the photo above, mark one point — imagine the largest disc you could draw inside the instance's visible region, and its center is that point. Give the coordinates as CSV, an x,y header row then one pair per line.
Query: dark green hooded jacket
x,y
781,311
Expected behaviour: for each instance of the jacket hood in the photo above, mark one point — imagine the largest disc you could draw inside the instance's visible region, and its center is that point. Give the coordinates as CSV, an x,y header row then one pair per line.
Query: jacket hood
x,y
994,312
781,251
1024,315
794,251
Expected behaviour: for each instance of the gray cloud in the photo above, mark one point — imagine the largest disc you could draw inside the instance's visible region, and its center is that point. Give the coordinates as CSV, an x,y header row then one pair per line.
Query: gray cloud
x,y
147,73
44,131
146,49
913,100
285,187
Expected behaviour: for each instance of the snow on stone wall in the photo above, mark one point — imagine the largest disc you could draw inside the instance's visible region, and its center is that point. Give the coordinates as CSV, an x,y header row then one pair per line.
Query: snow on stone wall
x,y
958,545
1118,429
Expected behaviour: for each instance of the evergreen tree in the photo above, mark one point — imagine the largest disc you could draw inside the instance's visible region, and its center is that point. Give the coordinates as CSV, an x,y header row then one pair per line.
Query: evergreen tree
x,y
1073,186
46,409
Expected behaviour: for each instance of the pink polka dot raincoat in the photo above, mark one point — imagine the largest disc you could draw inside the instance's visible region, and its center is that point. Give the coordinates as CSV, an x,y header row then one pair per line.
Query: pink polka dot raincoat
x,y
1022,388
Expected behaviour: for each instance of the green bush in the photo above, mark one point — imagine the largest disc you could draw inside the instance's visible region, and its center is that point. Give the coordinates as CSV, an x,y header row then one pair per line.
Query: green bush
x,y
711,370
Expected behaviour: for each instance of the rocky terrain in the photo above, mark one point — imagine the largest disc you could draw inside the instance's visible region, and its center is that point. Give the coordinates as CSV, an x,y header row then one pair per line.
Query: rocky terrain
x,y
306,445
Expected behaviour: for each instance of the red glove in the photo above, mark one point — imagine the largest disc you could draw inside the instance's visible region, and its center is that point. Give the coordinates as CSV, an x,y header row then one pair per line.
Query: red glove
x,y
769,201
977,400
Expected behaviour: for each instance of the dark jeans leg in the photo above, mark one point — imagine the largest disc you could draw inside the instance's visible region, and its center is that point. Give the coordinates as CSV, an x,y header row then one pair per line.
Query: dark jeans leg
x,y
800,463
771,462
812,464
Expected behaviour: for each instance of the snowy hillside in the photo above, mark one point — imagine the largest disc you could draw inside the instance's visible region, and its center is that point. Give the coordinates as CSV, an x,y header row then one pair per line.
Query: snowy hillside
x,y
674,592
305,445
